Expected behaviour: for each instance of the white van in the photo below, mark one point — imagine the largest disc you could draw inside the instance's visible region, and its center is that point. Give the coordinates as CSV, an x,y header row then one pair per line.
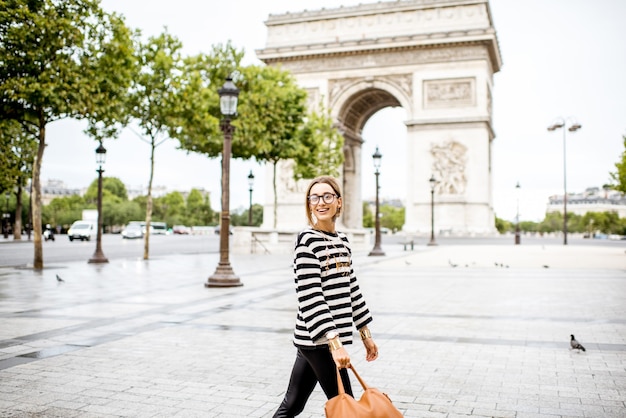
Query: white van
x,y
82,230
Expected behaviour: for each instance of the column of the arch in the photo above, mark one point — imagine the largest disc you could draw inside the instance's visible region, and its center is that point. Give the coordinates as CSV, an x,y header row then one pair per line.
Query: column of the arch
x,y
417,210
353,207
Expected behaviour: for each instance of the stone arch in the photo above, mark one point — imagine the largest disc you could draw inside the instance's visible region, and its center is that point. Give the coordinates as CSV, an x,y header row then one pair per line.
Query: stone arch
x,y
435,59
352,103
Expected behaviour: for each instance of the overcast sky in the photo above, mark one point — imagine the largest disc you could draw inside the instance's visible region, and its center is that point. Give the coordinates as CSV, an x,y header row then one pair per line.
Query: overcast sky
x,y
561,58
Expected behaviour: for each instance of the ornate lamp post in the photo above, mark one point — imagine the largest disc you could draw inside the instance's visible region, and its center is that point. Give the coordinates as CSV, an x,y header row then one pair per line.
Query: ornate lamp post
x,y
6,216
377,250
518,238
250,186
224,275
98,255
573,127
433,183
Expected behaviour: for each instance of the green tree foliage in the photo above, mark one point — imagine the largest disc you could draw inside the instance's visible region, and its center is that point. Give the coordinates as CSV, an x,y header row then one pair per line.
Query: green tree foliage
x,y
59,59
320,147
198,209
17,152
63,211
241,219
368,216
113,191
152,101
271,125
392,217
170,208
504,226
619,176
195,122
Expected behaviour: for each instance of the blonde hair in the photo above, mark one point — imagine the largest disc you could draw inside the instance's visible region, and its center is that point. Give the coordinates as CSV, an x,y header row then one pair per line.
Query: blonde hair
x,y
332,182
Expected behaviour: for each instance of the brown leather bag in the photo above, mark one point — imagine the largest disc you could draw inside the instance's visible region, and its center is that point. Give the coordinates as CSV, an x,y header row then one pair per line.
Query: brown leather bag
x,y
373,403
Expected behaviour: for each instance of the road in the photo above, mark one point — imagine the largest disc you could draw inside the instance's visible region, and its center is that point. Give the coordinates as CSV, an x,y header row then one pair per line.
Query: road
x,y
20,253
16,253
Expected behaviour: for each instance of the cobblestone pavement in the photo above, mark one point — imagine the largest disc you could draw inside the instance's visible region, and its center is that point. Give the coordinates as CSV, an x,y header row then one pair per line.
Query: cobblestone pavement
x,y
479,331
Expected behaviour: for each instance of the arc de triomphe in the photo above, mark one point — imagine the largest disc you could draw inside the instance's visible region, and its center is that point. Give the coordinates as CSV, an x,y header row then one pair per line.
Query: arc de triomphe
x,y
435,59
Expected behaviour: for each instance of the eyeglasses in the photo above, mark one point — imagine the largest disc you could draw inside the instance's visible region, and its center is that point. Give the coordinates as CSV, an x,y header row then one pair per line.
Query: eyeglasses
x,y
328,198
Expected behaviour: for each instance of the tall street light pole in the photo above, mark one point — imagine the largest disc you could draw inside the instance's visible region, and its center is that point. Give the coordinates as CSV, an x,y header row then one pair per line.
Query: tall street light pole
x,y
573,127
377,250
98,256
224,275
250,187
518,238
433,183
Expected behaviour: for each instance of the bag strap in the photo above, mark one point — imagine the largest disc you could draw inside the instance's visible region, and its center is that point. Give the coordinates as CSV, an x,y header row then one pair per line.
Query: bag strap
x,y
342,390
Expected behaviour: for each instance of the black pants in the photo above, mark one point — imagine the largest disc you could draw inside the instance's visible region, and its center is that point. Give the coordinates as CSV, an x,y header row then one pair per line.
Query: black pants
x,y
311,366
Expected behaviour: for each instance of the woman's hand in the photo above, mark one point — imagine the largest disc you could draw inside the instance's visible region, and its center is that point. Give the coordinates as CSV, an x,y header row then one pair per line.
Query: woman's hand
x,y
341,357
372,349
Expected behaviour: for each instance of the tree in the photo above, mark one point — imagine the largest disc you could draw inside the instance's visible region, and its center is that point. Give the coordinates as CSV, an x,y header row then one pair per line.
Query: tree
x,y
620,175
152,101
17,151
368,216
59,59
63,210
272,111
392,217
113,190
198,209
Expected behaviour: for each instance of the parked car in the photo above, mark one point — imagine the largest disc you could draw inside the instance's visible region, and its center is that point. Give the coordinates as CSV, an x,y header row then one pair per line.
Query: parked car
x,y
181,230
218,228
82,230
132,230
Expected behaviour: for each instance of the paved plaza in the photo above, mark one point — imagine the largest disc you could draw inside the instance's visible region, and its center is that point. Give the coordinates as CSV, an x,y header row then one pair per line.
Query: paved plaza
x,y
463,330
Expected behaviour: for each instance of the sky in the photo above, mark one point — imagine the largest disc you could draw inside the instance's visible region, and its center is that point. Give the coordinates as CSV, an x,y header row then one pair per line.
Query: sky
x,y
561,58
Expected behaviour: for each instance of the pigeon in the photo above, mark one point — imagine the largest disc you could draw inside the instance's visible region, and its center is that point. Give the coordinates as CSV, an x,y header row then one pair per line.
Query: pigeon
x,y
59,279
575,344
407,263
545,266
452,264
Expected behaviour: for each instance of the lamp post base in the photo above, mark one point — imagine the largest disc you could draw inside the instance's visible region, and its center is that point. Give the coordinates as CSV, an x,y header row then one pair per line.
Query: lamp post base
x,y
376,252
224,276
98,258
432,243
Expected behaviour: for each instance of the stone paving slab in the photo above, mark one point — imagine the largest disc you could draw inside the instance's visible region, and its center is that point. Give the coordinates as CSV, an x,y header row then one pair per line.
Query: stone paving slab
x,y
147,339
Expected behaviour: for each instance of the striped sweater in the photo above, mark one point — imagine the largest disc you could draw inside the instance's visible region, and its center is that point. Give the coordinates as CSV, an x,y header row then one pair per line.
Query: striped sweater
x,y
329,298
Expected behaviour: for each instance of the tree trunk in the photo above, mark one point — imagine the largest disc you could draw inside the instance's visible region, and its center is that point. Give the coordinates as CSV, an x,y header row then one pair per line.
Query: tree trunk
x,y
146,239
38,256
17,228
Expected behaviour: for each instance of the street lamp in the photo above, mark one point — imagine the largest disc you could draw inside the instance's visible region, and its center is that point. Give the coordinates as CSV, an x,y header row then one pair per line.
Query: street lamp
x,y
377,250
98,256
224,275
6,216
433,183
573,127
518,238
250,186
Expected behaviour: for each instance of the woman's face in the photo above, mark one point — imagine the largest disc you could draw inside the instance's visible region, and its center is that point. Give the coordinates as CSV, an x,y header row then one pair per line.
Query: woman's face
x,y
324,212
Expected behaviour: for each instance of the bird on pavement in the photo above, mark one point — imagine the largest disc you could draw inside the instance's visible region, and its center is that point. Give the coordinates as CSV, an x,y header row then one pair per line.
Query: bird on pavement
x,y
575,344
452,264
59,279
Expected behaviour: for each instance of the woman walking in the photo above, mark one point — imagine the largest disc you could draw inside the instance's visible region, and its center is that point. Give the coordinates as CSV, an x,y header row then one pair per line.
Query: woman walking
x,y
330,302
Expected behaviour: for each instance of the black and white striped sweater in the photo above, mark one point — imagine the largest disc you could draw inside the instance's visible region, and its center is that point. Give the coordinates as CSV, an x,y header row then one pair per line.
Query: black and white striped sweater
x,y
329,298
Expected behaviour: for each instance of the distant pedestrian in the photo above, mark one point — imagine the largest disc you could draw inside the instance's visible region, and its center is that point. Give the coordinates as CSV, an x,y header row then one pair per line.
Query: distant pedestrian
x,y
330,302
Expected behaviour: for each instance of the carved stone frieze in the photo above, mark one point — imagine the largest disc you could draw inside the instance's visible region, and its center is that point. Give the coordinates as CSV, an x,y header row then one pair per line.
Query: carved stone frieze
x,y
386,58
393,19
450,92
449,161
